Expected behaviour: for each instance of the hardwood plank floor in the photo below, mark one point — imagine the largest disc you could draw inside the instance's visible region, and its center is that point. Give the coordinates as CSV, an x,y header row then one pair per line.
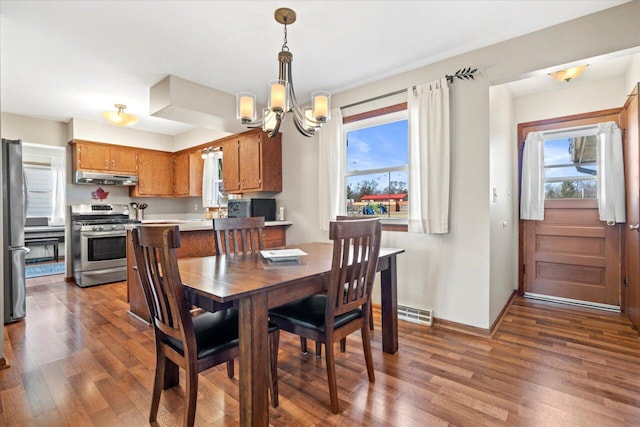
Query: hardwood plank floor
x,y
80,359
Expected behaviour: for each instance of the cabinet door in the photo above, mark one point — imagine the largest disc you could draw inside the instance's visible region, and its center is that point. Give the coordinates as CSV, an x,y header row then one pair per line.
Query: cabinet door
x,y
155,177
182,175
123,160
196,170
250,164
274,237
92,156
230,166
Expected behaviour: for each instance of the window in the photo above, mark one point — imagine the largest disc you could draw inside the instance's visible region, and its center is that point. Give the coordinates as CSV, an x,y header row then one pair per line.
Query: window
x,y
377,172
39,190
570,170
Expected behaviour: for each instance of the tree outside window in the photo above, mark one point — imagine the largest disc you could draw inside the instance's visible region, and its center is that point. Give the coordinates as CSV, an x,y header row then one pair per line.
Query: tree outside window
x,y
377,167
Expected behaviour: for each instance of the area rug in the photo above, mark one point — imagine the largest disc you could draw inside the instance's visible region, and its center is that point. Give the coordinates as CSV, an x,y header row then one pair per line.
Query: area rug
x,y
44,269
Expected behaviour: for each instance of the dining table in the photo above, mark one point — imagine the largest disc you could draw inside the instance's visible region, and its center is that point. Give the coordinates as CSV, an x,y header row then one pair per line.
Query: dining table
x,y
253,284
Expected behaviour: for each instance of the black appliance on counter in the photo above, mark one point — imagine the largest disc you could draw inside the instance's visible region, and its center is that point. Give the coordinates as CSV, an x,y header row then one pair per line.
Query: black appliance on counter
x,y
242,208
99,243
265,208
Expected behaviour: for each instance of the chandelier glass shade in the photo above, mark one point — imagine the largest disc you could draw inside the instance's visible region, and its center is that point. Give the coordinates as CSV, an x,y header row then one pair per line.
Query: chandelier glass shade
x,y
282,98
119,117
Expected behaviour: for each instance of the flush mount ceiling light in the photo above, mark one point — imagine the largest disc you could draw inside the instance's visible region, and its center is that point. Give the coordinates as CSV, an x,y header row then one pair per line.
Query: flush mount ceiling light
x,y
119,117
282,98
568,74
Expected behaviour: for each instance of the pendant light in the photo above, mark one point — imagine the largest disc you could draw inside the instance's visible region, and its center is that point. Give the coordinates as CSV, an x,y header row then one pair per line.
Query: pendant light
x,y
282,98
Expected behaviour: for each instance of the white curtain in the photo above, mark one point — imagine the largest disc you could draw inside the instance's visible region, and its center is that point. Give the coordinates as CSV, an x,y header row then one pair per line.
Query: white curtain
x,y
57,191
211,180
331,157
429,152
532,185
611,198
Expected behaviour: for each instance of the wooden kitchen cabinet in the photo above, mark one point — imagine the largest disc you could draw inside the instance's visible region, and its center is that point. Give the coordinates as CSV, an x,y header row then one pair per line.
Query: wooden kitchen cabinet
x,y
155,174
189,168
274,236
98,157
252,162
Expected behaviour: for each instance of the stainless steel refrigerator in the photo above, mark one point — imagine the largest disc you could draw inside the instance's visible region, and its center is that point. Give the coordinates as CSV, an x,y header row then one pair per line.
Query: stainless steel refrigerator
x,y
14,212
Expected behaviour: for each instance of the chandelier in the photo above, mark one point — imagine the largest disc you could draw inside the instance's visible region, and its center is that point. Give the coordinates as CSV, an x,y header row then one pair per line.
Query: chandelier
x,y
282,97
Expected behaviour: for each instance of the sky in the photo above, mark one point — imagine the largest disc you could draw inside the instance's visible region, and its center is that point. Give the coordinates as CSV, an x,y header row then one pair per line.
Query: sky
x,y
556,152
378,146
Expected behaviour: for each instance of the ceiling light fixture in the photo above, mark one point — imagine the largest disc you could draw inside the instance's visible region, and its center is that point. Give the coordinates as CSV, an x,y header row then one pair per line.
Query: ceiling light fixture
x,y
282,98
568,74
119,117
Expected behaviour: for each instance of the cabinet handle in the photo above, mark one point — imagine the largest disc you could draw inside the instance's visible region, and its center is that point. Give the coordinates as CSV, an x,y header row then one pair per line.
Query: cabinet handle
x,y
106,163
113,163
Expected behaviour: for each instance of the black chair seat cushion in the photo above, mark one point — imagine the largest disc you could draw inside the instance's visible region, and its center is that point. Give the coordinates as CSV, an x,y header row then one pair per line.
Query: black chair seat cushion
x,y
309,313
215,332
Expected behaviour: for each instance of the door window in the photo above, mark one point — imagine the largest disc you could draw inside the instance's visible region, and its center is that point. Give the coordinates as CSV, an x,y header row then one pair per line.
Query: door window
x,y
570,170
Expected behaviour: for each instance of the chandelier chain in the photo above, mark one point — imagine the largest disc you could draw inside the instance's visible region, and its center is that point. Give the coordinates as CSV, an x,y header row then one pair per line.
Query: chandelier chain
x,y
284,42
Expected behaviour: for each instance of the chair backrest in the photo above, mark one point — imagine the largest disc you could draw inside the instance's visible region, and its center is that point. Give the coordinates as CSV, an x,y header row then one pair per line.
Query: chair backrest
x,y
356,246
238,235
155,253
355,217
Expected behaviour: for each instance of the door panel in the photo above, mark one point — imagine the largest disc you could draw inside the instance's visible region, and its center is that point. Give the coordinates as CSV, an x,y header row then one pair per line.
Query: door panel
x,y
632,177
572,254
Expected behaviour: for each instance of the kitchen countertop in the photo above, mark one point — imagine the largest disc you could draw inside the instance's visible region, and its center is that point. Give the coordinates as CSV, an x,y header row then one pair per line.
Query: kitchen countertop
x,y
197,224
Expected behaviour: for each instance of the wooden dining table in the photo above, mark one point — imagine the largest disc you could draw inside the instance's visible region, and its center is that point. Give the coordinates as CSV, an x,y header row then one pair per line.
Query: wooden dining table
x,y
253,284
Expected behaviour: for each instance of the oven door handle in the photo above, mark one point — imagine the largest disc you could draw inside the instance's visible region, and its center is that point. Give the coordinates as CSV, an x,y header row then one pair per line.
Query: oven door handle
x,y
105,234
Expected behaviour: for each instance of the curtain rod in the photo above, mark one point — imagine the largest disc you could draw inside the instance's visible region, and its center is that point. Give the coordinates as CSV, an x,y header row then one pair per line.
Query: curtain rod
x,y
461,74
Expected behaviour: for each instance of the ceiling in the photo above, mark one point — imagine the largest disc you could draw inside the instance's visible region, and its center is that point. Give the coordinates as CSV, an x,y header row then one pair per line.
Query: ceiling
x,y
75,59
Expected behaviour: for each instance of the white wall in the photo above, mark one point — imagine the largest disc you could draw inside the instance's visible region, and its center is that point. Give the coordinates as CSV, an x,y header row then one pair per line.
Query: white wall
x,y
573,99
632,77
452,273
103,132
38,131
503,195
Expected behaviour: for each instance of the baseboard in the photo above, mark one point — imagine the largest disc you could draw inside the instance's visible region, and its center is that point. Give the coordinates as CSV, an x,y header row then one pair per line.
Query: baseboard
x,y
4,364
467,329
503,312
474,330
461,327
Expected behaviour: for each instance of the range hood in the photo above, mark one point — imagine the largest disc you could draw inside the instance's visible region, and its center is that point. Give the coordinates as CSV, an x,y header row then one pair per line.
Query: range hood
x,y
95,178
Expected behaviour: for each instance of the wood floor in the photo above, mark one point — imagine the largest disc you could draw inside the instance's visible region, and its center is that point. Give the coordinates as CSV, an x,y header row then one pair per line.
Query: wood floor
x,y
80,359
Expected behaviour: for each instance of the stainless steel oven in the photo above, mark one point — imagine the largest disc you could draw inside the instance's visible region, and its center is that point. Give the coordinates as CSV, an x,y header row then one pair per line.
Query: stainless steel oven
x,y
99,243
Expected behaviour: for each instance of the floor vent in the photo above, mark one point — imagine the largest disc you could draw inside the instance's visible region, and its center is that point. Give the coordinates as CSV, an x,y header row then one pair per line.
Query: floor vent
x,y
415,315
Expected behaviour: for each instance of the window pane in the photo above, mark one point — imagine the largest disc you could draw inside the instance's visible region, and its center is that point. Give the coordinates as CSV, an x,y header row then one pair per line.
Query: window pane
x,y
578,171
570,167
578,150
382,194
39,191
377,147
570,190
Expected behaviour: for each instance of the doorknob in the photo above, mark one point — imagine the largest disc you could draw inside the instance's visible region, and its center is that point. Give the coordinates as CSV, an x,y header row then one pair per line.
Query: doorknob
x,y
634,227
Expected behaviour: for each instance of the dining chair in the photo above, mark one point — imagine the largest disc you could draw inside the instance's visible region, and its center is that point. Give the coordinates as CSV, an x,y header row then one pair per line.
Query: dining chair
x,y
356,218
344,309
343,342
192,343
238,235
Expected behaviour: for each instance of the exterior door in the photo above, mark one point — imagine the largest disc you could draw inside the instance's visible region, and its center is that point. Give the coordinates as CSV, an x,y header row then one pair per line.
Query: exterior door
x,y
632,172
571,254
